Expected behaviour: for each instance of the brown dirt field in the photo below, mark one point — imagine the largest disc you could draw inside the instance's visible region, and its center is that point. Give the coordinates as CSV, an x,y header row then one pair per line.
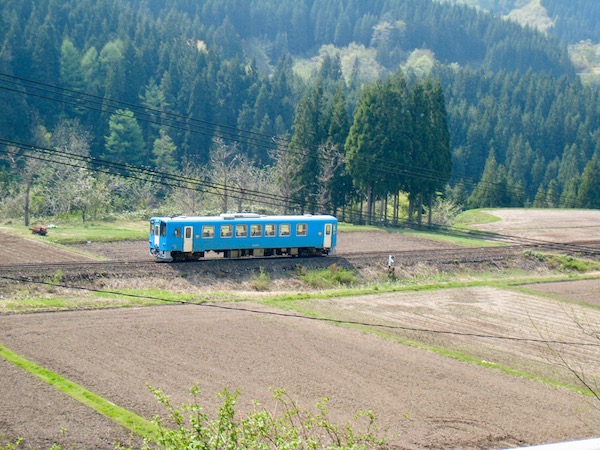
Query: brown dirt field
x,y
561,225
587,291
423,400
18,250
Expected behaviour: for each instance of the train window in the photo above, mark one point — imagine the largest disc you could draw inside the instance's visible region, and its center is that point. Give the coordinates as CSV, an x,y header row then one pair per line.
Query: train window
x,y
284,229
301,229
226,231
270,229
177,232
256,230
208,231
188,232
163,229
151,228
156,232
241,231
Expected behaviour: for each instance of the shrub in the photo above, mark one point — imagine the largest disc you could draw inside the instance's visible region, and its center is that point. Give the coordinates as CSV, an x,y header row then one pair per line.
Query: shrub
x,y
261,281
293,428
331,277
563,262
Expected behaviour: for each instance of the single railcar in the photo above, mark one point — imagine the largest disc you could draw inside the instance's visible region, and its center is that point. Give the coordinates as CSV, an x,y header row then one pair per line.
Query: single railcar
x,y
240,235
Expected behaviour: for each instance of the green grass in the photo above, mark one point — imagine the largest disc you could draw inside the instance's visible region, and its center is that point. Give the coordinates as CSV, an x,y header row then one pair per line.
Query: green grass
x,y
67,303
474,217
47,298
564,262
78,233
331,277
146,296
347,227
300,306
122,416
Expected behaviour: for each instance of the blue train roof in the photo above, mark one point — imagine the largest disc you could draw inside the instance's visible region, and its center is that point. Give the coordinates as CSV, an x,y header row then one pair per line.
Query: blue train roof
x,y
245,217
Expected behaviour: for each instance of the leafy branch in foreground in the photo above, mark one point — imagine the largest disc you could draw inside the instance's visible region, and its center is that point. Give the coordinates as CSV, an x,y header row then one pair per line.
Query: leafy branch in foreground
x,y
288,427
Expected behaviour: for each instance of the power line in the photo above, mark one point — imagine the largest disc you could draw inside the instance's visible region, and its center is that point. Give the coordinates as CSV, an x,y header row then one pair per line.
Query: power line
x,y
70,159
182,123
207,128
319,319
140,173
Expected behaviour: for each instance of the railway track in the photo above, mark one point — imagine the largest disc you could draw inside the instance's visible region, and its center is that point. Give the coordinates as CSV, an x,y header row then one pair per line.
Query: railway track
x,y
130,268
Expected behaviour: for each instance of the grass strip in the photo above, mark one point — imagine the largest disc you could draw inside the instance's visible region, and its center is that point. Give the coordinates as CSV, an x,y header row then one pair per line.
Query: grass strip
x,y
441,351
122,416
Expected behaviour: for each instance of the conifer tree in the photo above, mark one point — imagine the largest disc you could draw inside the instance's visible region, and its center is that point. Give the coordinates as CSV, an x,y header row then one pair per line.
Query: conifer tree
x,y
309,133
124,143
362,149
588,195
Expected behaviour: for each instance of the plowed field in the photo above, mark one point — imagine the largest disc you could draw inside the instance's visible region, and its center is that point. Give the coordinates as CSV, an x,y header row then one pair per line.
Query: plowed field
x,y
443,369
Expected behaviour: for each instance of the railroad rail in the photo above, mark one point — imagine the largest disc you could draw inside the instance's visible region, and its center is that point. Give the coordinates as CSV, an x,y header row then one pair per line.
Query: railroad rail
x,y
141,267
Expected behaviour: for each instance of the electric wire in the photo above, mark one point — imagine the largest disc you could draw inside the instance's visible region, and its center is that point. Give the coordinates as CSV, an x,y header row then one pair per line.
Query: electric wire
x,y
235,134
304,317
139,173
179,181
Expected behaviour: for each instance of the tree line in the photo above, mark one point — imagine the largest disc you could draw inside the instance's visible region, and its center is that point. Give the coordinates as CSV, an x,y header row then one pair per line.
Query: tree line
x,y
192,79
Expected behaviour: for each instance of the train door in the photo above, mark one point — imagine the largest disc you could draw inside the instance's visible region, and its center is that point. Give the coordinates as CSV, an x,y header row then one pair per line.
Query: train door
x,y
156,235
328,233
188,239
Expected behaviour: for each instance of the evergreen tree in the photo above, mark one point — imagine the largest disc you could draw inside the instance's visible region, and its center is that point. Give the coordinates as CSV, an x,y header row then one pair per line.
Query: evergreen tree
x,y
71,75
154,100
440,156
364,150
163,153
125,143
339,126
492,190
540,198
309,133
588,195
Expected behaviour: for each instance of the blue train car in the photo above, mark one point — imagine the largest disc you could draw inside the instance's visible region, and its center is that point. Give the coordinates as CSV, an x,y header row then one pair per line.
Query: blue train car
x,y
238,235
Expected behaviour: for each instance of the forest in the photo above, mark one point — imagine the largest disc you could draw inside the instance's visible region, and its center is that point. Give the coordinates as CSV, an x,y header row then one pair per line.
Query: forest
x,y
382,109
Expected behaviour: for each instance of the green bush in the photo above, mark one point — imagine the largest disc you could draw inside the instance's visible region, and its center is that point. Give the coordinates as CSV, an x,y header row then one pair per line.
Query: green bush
x,y
261,281
293,428
570,263
331,277
563,262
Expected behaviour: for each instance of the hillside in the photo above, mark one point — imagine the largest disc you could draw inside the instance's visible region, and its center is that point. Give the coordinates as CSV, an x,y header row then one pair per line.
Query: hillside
x,y
152,84
574,23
